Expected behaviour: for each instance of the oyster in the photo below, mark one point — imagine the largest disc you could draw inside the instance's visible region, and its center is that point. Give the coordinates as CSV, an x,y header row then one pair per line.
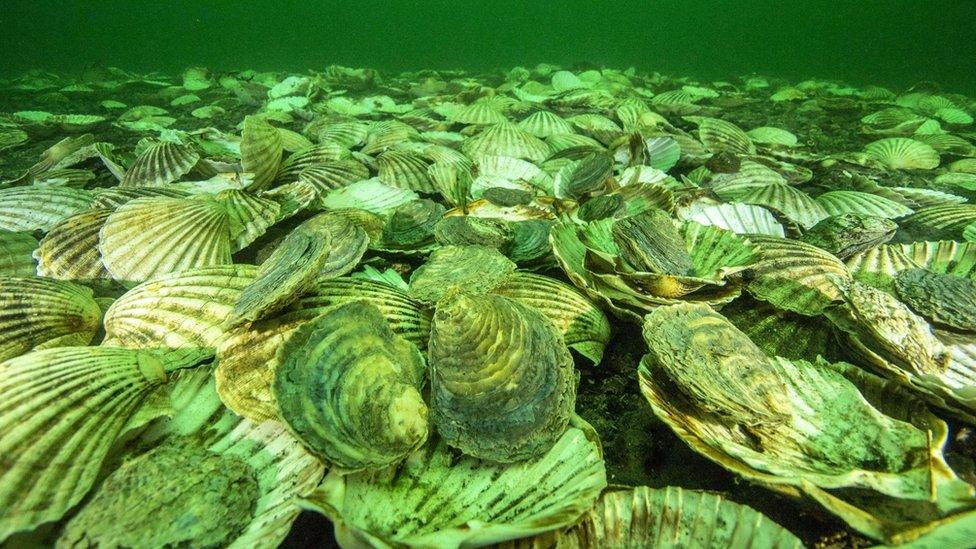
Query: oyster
x,y
502,381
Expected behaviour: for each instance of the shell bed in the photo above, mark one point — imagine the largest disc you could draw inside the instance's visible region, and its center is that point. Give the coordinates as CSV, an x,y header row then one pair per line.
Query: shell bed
x,y
538,308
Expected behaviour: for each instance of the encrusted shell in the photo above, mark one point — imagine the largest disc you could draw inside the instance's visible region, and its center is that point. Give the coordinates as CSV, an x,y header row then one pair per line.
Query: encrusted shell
x,y
502,380
350,389
945,299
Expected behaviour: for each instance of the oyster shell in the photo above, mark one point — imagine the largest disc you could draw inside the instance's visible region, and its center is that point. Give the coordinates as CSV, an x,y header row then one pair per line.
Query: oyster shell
x,y
502,380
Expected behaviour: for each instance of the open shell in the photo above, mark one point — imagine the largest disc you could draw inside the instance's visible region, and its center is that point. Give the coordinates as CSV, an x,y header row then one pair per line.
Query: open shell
x,y
40,313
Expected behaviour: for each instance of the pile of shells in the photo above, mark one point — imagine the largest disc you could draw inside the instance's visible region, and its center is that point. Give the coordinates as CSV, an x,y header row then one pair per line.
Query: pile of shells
x,y
227,298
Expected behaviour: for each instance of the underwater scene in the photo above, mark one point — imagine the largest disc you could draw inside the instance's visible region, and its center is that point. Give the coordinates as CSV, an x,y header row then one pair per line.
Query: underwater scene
x,y
525,275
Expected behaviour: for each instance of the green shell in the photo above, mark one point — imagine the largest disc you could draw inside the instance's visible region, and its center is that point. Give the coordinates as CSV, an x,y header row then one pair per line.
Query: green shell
x,y
795,276
261,150
39,208
61,410
16,253
160,164
438,500
171,495
70,250
476,269
943,298
502,380
40,313
350,389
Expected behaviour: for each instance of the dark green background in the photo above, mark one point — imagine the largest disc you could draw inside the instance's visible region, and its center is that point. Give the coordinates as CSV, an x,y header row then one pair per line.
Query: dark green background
x,y
894,42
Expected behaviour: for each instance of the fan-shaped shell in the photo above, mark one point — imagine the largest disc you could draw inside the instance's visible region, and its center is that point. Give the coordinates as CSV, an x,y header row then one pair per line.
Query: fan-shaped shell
x,y
334,175
735,217
16,253
183,311
261,150
350,389
502,381
249,215
841,202
148,237
405,170
39,313
70,250
113,197
902,153
506,139
370,195
722,136
796,276
479,113
322,153
61,410
39,208
545,124
793,203
160,164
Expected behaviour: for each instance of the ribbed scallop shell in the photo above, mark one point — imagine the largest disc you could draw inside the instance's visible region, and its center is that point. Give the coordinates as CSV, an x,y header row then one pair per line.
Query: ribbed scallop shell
x,y
768,135
16,249
902,153
370,195
61,410
346,134
160,164
476,269
878,267
645,517
38,313
261,150
793,203
502,381
506,139
183,311
405,170
583,326
249,215
721,136
149,237
113,197
349,389
841,202
334,175
738,218
39,208
315,155
452,494
70,250
950,218
545,124
479,113
796,276
386,134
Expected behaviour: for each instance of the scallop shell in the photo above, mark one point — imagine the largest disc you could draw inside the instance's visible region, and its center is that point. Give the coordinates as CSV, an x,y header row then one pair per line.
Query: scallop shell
x,y
481,113
738,218
16,249
70,250
795,276
160,164
841,202
545,124
322,153
405,170
370,195
506,139
149,237
346,134
583,326
902,153
793,203
40,313
722,136
249,215
502,381
182,311
646,517
112,198
463,501
334,175
768,135
62,409
386,134
261,150
477,269
39,208
350,389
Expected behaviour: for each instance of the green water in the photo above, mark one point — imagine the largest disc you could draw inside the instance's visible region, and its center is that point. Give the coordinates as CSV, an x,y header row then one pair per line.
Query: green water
x,y
887,42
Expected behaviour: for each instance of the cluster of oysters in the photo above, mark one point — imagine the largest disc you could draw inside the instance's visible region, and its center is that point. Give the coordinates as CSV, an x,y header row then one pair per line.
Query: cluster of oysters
x,y
230,297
